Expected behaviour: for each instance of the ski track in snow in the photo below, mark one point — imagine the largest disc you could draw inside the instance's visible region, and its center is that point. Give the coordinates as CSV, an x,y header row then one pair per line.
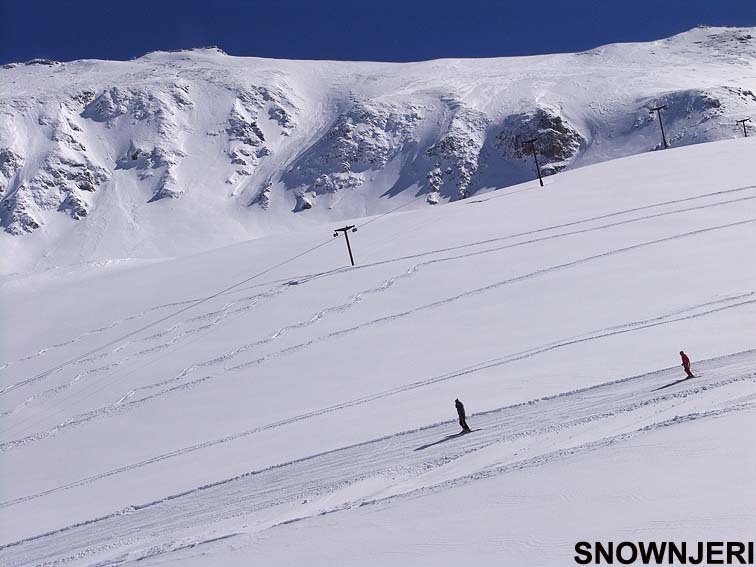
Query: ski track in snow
x,y
45,350
310,277
249,303
578,222
717,306
123,405
162,525
216,316
108,458
85,334
220,314
114,408
484,289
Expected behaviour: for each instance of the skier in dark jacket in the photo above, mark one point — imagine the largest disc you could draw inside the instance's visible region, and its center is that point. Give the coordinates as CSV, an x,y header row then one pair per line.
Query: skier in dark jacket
x,y
461,413
686,364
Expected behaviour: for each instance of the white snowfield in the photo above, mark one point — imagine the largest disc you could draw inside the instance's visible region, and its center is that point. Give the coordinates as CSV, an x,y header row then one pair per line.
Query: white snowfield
x,y
176,153
267,404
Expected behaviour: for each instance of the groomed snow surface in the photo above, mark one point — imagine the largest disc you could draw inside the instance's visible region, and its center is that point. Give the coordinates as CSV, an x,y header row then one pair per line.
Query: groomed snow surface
x,y
191,411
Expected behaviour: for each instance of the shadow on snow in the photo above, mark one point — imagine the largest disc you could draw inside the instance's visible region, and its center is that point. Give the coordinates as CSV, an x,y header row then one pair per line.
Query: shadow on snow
x,y
671,384
444,440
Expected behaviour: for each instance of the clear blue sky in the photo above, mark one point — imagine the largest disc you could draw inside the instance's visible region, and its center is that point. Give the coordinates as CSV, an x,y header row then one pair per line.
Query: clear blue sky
x,y
385,30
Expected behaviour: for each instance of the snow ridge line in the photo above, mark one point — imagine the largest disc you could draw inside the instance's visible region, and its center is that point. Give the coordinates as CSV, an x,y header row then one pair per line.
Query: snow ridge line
x,y
537,460
682,394
467,450
119,407
697,388
611,440
157,550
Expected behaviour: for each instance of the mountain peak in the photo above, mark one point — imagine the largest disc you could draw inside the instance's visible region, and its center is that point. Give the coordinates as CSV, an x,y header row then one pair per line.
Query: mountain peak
x,y
136,152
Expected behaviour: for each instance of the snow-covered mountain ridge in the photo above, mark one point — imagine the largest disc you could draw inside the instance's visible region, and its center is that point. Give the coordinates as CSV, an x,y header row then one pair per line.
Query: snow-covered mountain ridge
x,y
177,152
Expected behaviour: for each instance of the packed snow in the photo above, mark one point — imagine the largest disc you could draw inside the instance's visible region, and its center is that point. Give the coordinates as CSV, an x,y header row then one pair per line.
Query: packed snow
x,y
266,403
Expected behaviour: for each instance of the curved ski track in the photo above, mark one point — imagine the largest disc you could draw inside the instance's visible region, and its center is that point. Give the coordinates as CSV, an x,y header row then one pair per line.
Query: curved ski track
x,y
114,407
141,314
142,530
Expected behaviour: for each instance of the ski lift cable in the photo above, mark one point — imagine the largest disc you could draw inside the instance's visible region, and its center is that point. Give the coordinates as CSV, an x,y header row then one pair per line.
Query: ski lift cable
x,y
199,301
63,403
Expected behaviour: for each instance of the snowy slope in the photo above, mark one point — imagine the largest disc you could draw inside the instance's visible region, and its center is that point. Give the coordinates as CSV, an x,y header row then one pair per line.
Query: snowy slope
x,y
175,153
307,411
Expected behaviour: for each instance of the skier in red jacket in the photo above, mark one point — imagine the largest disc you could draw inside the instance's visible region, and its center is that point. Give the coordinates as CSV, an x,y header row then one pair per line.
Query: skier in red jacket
x,y
686,364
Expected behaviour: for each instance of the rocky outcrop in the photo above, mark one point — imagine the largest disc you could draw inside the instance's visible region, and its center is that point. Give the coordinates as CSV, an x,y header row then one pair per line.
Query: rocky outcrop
x,y
731,46
60,184
246,140
263,197
154,162
276,104
62,181
141,104
361,141
10,163
251,137
45,62
558,141
456,155
158,109
19,212
695,115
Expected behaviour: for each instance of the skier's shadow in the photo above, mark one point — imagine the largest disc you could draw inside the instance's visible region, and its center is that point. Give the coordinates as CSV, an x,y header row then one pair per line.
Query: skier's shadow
x,y
444,440
671,384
